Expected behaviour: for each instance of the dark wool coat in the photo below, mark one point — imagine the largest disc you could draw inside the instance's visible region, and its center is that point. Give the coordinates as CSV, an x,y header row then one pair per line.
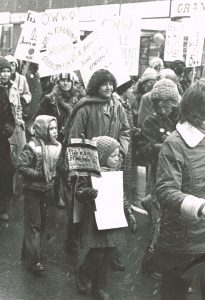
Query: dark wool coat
x,y
58,104
7,125
181,191
92,120
90,236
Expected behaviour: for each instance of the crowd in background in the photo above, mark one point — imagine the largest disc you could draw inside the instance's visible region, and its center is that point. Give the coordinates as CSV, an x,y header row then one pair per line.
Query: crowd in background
x,y
149,128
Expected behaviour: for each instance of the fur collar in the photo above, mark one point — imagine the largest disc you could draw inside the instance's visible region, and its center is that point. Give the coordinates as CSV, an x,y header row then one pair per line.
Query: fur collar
x,y
190,134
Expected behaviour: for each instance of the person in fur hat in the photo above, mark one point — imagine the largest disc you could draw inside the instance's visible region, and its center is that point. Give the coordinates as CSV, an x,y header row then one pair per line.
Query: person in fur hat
x,y
180,191
37,164
7,125
101,243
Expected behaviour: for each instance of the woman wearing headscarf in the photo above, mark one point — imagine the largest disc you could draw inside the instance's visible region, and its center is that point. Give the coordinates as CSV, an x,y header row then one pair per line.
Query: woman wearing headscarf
x,y
181,193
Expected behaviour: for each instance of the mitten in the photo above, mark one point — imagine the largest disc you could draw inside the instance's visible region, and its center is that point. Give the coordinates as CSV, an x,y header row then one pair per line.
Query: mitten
x,y
88,196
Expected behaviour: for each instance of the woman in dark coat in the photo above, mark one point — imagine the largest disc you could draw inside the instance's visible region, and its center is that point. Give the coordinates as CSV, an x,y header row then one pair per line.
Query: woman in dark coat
x,y
60,101
181,193
7,125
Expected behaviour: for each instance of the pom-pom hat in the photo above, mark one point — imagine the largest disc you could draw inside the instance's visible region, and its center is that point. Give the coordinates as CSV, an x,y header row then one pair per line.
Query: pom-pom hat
x,y
165,89
105,147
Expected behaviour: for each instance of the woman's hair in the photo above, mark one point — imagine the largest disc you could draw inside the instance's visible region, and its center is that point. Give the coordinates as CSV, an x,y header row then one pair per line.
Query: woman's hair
x,y
192,105
178,67
99,78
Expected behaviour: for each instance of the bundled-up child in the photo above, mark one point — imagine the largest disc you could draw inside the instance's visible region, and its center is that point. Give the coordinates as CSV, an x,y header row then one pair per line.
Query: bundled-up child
x,y
101,243
37,164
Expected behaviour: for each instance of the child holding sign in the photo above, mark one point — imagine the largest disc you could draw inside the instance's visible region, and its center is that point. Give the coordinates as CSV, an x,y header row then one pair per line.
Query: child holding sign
x,y
101,243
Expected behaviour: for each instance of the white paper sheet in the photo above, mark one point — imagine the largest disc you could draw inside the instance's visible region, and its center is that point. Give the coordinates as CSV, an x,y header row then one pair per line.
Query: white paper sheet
x,y
109,202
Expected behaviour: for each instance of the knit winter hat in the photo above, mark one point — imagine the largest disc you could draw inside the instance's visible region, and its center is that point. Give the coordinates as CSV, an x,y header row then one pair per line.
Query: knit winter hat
x,y
105,146
11,59
165,89
149,74
4,64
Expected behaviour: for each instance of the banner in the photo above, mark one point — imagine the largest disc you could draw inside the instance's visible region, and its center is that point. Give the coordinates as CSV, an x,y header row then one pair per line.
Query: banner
x,y
109,202
98,52
128,32
59,34
174,42
27,47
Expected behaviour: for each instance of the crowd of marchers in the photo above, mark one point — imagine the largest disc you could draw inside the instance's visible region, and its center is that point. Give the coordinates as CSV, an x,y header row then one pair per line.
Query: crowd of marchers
x,y
156,121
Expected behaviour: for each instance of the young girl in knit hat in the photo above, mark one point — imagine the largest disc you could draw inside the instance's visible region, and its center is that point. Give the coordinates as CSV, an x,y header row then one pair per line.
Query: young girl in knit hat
x,y
101,244
37,164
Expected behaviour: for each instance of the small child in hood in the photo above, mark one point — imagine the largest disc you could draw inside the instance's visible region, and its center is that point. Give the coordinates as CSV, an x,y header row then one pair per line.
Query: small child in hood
x,y
101,243
37,165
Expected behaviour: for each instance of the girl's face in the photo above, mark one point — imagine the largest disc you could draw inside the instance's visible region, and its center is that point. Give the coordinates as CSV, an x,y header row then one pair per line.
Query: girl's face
x,y
105,90
113,159
5,75
65,84
148,85
53,131
164,108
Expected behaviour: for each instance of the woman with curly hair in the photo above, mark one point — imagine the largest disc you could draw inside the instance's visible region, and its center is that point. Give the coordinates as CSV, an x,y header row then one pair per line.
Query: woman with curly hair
x,y
100,113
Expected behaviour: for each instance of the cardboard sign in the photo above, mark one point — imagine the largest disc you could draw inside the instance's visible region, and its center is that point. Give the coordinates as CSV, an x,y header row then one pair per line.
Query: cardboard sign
x,y
174,42
98,52
83,158
27,47
109,212
127,30
194,49
59,33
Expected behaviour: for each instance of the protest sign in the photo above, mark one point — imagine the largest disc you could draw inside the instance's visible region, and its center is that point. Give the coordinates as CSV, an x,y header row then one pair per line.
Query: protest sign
x,y
174,42
109,202
59,34
98,52
27,47
83,157
127,30
194,49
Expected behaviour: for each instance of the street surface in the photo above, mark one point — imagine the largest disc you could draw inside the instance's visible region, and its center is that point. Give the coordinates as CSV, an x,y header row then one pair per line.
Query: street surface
x,y
58,283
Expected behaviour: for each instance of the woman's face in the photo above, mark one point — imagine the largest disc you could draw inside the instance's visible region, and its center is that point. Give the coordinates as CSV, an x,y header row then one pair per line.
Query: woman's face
x,y
105,90
148,85
164,108
65,84
5,75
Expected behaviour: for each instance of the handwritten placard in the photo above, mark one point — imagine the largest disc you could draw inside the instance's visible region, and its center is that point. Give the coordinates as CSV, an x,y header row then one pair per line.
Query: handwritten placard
x,y
194,49
59,34
83,157
27,47
174,42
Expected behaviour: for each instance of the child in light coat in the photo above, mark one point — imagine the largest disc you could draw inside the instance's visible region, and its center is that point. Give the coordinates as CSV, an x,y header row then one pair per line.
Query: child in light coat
x,y
37,164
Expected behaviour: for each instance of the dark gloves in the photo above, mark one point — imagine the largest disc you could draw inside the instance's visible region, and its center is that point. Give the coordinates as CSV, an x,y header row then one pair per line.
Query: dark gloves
x,y
131,220
88,196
